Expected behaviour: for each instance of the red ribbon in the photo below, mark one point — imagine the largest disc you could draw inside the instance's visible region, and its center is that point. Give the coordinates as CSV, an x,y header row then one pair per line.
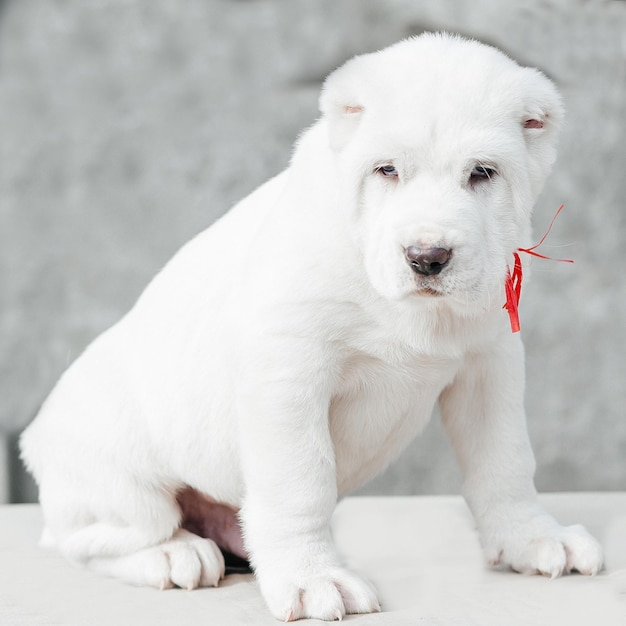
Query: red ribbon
x,y
513,280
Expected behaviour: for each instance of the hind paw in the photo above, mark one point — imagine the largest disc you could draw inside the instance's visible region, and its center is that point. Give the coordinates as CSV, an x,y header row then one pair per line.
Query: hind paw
x,y
185,560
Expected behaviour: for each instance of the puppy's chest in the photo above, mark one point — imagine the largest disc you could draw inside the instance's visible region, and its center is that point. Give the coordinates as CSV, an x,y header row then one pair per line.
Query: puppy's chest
x,y
380,395
379,408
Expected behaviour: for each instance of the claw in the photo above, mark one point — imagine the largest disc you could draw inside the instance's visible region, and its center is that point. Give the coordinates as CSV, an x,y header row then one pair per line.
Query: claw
x,y
555,573
494,561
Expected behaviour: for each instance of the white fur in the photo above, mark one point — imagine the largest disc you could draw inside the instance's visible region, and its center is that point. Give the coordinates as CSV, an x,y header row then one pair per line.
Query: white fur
x,y
289,353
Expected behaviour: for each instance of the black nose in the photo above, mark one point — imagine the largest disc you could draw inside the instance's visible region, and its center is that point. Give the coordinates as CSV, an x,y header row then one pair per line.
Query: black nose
x,y
427,261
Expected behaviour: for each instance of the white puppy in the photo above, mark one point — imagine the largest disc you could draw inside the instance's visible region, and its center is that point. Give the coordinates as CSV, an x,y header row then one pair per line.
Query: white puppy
x,y
292,350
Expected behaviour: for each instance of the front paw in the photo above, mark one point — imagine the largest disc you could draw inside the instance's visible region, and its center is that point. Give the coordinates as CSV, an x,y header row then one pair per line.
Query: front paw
x,y
328,594
544,547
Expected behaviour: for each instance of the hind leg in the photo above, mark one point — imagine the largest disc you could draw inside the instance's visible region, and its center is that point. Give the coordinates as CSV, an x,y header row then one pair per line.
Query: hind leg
x,y
135,537
185,560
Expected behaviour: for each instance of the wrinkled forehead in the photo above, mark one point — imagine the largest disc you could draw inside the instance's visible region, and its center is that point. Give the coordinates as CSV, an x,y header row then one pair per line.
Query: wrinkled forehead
x,y
445,93
446,96
432,126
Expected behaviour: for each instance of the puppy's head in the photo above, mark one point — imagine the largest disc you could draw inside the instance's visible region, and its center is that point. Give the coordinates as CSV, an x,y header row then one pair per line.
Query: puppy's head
x,y
441,145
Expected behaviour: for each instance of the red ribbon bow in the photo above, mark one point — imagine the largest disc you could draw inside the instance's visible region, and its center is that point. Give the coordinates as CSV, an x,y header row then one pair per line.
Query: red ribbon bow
x,y
513,281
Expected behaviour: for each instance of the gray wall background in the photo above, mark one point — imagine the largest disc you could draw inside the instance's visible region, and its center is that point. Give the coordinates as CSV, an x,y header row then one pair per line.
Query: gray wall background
x,y
126,126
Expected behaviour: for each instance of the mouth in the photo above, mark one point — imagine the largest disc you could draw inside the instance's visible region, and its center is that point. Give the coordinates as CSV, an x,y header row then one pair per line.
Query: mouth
x,y
429,291
429,286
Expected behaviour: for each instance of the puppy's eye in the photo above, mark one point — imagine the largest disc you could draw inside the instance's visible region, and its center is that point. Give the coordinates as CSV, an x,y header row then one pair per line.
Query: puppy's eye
x,y
481,173
388,171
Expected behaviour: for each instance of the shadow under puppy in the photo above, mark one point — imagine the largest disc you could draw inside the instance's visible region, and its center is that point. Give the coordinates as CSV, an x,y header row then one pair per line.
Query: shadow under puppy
x,y
291,351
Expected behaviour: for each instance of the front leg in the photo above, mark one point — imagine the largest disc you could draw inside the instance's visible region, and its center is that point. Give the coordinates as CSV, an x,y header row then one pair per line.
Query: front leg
x,y
483,414
291,489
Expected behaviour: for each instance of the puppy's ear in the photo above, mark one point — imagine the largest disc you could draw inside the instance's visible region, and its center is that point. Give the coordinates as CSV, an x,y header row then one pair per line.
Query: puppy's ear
x,y
541,121
543,105
341,102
